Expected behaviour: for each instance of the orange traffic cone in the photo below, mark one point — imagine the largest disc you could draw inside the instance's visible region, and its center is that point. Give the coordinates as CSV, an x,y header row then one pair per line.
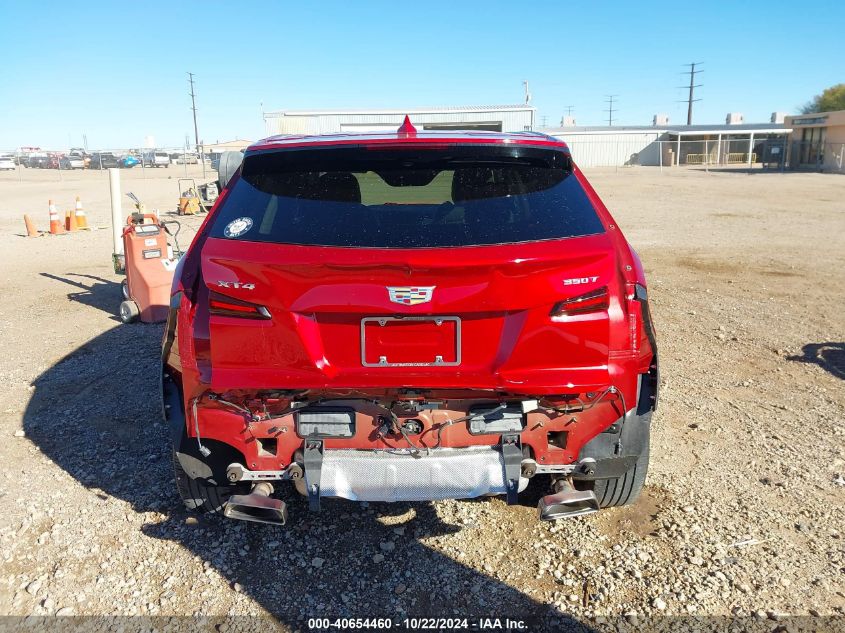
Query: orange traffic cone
x,y
31,231
81,219
56,227
70,222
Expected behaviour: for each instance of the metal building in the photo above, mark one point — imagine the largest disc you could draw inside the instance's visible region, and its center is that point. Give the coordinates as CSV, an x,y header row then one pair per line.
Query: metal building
x,y
609,146
506,118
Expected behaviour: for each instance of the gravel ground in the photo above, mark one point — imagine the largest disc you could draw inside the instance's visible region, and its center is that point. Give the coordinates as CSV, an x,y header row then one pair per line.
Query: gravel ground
x,y
742,515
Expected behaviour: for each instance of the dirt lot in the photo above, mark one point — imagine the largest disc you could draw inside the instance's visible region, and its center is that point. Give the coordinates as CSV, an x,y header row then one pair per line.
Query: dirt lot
x,y
743,511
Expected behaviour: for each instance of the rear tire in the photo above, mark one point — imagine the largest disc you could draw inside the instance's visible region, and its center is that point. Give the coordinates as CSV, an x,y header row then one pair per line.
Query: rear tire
x,y
621,490
200,496
129,311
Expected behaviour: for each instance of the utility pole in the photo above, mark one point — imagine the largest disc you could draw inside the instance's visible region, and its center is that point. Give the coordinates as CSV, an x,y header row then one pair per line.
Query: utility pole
x,y
544,117
569,110
692,86
610,110
527,93
194,108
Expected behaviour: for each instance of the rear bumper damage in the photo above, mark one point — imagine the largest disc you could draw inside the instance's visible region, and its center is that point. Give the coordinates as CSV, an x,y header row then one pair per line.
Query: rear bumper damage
x,y
400,475
499,463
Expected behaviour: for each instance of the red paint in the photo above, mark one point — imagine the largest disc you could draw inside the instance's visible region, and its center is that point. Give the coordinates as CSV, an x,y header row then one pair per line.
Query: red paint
x,y
407,128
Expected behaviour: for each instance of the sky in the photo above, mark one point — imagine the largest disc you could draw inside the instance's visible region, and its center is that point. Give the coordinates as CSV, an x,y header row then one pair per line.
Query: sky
x,y
116,72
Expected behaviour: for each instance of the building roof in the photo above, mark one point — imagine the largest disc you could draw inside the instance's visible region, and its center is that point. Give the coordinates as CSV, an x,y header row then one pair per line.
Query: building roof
x,y
234,142
679,130
403,111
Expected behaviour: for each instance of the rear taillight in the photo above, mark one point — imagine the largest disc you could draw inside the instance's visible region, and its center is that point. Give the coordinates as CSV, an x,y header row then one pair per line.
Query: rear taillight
x,y
593,301
221,305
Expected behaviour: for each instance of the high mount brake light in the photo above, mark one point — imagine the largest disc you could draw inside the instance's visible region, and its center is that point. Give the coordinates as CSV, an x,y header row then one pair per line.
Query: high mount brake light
x,y
221,305
593,301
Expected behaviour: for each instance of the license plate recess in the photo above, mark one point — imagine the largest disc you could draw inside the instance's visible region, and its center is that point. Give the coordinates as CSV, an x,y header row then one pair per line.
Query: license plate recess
x,y
412,341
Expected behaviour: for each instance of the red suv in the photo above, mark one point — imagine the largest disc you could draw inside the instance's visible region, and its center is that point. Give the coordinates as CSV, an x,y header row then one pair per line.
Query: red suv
x,y
409,316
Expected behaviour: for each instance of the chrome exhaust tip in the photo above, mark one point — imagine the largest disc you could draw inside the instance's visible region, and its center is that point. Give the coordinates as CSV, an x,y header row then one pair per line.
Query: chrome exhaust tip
x,y
566,504
257,506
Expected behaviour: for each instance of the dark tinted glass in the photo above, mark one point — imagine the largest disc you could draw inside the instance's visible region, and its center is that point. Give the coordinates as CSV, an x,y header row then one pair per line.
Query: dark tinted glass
x,y
358,197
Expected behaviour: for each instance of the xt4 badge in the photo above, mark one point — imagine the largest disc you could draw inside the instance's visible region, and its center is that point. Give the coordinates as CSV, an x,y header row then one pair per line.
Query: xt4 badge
x,y
235,284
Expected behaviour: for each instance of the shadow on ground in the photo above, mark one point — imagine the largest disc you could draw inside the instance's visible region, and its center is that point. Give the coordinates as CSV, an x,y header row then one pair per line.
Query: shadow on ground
x,y
829,356
109,436
92,291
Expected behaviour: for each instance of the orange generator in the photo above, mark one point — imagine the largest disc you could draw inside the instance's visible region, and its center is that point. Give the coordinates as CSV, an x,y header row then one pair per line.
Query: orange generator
x,y
149,266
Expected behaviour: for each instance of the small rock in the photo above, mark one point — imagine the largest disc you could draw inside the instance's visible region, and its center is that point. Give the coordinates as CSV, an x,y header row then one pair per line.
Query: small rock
x,y
378,558
65,611
659,604
400,589
387,546
191,521
317,562
237,587
33,587
20,433
399,530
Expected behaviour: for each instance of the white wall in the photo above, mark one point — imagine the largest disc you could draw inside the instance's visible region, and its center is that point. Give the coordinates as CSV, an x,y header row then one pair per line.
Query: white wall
x,y
613,149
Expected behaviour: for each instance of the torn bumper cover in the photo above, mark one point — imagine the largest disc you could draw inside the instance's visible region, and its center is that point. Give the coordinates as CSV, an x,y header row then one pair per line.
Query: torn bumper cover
x,y
445,473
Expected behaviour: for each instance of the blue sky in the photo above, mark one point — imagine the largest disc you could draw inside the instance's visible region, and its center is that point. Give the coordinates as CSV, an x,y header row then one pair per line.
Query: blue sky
x,y
116,71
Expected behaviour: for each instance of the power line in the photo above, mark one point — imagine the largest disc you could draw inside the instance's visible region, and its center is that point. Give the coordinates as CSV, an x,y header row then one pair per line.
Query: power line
x,y
692,86
194,108
569,110
610,110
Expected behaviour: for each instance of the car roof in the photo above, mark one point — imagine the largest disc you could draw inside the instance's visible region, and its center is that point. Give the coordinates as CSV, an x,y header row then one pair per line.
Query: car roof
x,y
408,134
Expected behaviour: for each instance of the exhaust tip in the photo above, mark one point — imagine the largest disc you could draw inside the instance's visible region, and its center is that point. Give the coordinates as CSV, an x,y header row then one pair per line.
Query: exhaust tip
x,y
257,508
567,504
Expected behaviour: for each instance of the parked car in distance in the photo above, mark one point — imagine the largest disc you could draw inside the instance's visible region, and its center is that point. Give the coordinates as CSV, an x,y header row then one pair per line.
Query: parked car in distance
x,y
188,158
40,161
71,161
103,160
155,158
129,161
404,317
7,162
82,155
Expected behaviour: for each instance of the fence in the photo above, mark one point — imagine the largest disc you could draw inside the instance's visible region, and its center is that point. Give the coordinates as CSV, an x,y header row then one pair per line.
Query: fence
x,y
104,158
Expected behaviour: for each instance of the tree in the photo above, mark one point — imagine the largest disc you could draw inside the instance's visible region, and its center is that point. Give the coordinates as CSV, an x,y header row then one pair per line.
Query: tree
x,y
831,99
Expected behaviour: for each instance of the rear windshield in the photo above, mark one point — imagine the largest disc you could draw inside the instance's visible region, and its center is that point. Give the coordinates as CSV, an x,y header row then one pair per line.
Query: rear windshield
x,y
423,198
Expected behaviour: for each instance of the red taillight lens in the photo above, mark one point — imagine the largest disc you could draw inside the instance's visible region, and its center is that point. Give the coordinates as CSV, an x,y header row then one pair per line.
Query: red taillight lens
x,y
221,305
593,301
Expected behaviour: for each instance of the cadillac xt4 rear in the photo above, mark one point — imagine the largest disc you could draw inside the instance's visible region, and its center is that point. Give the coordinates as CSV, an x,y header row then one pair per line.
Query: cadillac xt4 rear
x,y
409,317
